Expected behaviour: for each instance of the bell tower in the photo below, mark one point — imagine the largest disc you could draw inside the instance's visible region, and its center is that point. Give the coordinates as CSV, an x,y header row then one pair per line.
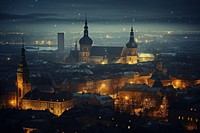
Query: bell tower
x,y
23,84
85,45
131,49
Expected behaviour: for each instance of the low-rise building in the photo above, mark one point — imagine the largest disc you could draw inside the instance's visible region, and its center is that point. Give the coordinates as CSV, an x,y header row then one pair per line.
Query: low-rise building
x,y
56,103
186,113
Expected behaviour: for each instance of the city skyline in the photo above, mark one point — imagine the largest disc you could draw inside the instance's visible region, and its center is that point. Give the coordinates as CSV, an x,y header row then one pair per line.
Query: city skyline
x,y
99,66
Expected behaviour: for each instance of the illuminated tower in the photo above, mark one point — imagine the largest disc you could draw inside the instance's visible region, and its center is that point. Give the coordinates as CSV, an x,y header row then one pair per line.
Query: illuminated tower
x,y
23,85
85,45
131,49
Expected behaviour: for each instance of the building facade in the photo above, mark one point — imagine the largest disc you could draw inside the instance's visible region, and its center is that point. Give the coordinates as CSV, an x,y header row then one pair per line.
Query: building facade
x,y
56,103
103,54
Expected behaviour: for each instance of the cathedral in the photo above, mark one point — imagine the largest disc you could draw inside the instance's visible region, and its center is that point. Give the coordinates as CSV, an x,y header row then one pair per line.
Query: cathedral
x,y
104,54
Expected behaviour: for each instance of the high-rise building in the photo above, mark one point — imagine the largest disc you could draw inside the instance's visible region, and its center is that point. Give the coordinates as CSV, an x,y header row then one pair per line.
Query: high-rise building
x,y
60,42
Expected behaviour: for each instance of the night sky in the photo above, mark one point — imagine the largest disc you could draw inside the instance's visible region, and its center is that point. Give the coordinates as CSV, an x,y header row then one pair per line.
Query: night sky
x,y
103,15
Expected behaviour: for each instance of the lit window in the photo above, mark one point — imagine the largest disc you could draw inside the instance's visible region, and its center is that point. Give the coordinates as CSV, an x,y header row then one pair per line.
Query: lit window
x,y
182,118
126,97
188,118
196,120
99,117
179,117
191,109
129,127
103,85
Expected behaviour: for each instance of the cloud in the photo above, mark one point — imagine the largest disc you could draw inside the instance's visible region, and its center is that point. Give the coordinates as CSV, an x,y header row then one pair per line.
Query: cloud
x,y
39,18
6,16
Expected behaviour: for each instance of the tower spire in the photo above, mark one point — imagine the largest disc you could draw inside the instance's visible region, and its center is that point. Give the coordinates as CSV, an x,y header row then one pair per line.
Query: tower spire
x,y
131,43
85,40
22,51
85,27
86,19
132,35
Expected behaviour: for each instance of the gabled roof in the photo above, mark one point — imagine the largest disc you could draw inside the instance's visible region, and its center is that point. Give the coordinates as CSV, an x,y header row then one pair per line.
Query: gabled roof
x,y
43,96
100,51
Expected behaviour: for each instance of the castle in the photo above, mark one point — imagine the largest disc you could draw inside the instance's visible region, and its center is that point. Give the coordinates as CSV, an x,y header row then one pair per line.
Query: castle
x,y
104,54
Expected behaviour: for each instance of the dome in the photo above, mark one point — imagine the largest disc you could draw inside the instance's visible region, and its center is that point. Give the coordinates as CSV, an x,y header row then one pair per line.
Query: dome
x,y
85,40
131,44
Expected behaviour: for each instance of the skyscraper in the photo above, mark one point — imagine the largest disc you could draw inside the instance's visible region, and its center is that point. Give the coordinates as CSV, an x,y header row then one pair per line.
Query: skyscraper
x,y
60,42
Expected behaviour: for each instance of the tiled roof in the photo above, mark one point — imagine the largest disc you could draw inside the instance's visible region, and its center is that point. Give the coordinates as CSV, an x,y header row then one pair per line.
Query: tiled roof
x,y
100,51
43,96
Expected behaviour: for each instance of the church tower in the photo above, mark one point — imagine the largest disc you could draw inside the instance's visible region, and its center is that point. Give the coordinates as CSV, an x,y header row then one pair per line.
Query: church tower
x,y
131,50
85,45
159,65
23,84
105,57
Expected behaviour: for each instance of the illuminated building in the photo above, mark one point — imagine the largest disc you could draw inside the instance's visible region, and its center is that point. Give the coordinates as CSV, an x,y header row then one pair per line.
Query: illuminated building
x,y
56,103
104,54
108,85
182,83
8,99
139,79
145,57
23,84
186,113
60,42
